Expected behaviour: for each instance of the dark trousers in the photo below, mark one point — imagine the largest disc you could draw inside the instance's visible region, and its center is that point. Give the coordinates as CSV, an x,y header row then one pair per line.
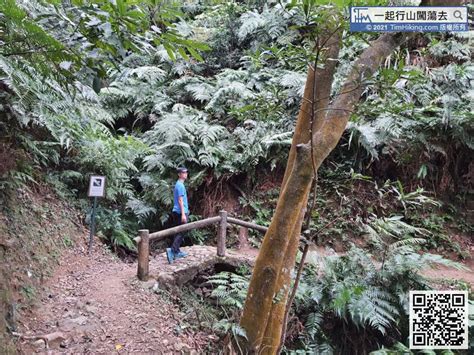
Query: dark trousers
x,y
178,238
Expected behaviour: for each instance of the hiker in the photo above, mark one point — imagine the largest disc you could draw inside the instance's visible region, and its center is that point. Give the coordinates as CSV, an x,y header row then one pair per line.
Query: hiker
x,y
179,215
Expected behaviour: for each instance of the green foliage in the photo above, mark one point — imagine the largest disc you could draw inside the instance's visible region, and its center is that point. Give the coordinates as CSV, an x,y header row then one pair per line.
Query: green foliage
x,y
259,206
400,348
194,315
231,289
391,228
45,104
68,242
131,89
414,198
392,214
225,118
29,292
450,47
114,157
199,236
361,303
440,226
223,326
361,299
48,33
54,56
128,89
22,35
113,225
417,116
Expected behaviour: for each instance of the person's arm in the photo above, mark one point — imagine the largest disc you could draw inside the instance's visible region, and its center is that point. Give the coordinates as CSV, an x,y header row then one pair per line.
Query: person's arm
x,y
181,206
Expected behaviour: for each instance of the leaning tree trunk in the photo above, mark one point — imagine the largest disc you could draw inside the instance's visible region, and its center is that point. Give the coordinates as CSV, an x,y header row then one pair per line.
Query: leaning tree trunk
x,y
264,308
310,118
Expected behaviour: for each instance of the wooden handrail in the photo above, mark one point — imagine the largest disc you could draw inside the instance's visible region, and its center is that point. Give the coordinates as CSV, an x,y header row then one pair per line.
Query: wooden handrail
x,y
144,238
184,228
247,224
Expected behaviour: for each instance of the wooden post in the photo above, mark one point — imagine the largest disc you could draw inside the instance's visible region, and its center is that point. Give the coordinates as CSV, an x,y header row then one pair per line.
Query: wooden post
x,y
143,254
243,237
221,235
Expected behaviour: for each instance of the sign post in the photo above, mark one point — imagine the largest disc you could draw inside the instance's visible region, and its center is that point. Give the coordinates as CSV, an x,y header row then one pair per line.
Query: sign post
x,y
96,189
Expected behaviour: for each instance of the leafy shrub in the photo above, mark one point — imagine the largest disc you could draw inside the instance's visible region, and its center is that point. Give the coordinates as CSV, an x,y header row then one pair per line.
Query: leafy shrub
x,y
355,302
115,227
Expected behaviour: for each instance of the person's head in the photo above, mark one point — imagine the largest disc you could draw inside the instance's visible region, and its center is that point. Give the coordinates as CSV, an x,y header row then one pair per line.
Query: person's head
x,y
182,173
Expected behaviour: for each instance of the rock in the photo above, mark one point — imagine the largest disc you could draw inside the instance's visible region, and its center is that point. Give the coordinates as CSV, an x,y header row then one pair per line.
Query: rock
x,y
72,323
148,284
7,244
81,320
186,348
39,344
180,346
165,342
55,339
165,279
70,299
91,309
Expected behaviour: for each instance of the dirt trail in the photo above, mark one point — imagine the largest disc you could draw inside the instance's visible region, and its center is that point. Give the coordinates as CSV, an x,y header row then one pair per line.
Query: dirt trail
x,y
99,306
444,273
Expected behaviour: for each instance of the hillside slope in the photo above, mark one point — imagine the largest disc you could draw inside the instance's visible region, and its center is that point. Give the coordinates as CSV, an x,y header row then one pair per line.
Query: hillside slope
x,y
35,227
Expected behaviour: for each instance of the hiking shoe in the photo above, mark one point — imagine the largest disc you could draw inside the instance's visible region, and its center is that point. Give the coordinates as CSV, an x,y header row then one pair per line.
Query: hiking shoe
x,y
181,254
169,255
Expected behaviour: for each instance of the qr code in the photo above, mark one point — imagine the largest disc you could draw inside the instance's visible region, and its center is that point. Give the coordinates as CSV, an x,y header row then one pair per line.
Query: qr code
x,y
438,320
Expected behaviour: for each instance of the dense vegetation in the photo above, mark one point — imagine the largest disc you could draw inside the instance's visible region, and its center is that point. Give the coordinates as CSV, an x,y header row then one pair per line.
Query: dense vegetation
x,y
349,306
132,89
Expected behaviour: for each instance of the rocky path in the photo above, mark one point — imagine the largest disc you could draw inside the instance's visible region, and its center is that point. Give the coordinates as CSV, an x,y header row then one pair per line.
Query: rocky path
x,y
94,304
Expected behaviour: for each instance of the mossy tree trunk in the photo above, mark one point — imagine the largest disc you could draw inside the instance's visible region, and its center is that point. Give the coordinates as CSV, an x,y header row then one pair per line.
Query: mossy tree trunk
x,y
318,130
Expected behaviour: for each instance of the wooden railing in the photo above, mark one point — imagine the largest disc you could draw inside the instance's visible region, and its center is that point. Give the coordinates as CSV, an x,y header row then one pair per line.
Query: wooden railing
x,y
144,237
